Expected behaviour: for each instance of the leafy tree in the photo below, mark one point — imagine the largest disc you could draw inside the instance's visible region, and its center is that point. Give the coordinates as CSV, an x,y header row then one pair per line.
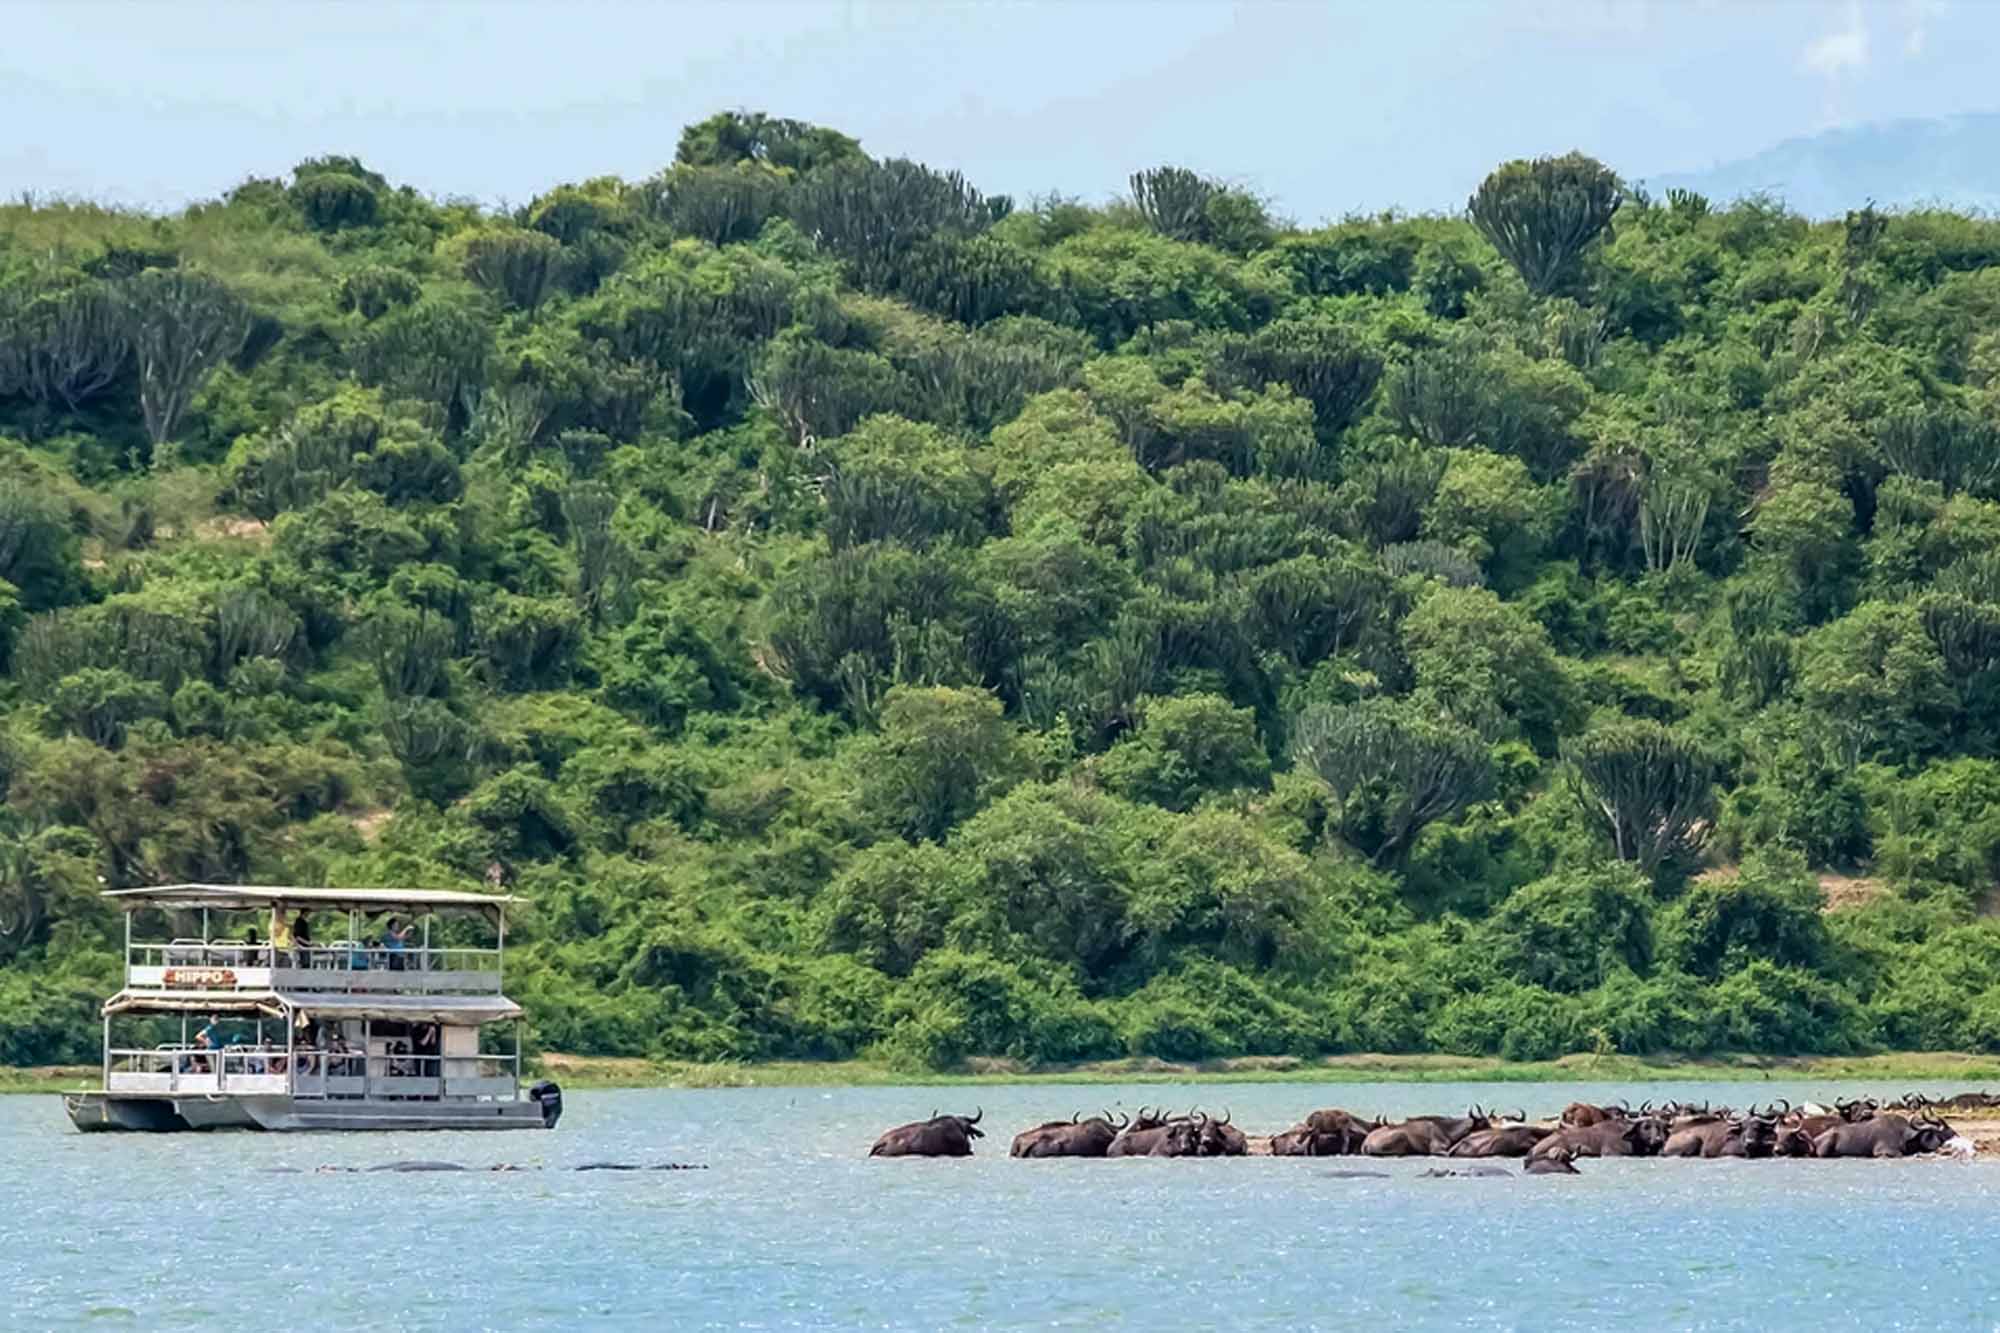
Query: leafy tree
x,y
520,267
1386,494
732,138
1327,363
896,480
1768,913
894,903
1877,681
1541,215
434,351
373,290
1184,206
38,554
1482,660
872,214
184,324
1950,446
816,392
1571,931
1392,769
67,345
717,204
1185,748
941,754
335,200
1650,790
100,703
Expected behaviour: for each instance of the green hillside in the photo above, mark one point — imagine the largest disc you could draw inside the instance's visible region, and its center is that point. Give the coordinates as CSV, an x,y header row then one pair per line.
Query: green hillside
x,y
866,616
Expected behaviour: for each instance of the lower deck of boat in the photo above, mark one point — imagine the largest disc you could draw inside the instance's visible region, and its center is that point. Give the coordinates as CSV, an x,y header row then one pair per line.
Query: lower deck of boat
x,y
94,1112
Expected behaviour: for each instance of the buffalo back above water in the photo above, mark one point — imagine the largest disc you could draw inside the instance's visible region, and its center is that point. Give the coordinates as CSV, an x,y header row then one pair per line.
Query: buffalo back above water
x,y
1884,1135
1066,1138
1423,1136
1501,1141
1642,1137
940,1136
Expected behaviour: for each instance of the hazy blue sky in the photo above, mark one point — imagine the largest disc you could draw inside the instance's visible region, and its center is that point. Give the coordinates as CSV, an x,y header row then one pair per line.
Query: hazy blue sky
x,y
1325,108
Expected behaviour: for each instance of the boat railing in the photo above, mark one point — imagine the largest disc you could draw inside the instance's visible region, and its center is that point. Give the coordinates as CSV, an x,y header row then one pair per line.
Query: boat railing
x,y
339,965
246,1071
183,1070
406,1077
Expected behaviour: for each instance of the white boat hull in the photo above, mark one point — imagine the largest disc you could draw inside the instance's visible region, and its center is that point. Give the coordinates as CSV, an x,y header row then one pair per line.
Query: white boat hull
x,y
94,1112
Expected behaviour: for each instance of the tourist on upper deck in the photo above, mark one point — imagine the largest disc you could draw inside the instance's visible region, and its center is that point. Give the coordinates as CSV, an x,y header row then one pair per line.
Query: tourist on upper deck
x,y
252,954
302,932
396,938
281,938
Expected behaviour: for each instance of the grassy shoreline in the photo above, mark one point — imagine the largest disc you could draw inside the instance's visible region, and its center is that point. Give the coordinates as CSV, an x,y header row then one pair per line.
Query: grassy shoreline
x,y
587,1073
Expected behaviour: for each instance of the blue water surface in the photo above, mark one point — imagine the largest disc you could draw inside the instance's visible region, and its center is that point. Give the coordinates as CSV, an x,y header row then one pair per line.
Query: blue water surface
x,y
792,1226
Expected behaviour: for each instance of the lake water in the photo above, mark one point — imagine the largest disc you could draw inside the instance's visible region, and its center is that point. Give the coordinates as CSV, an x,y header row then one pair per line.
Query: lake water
x,y
793,1227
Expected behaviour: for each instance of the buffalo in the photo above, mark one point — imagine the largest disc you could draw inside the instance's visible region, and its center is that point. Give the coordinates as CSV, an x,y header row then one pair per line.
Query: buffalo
x,y
1068,1138
939,1136
1584,1114
1195,1134
1139,1138
1501,1141
1328,1133
1304,1141
1885,1134
1745,1136
1424,1135
1643,1137
1219,1138
1552,1164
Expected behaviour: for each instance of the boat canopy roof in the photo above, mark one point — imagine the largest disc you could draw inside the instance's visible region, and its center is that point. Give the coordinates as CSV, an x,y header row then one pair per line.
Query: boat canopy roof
x,y
249,897
340,1004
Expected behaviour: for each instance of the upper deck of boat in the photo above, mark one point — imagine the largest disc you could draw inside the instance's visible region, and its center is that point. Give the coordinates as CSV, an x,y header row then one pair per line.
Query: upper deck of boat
x,y
203,953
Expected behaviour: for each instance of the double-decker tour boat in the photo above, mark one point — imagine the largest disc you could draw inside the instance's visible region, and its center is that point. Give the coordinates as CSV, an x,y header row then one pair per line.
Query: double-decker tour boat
x,y
286,1009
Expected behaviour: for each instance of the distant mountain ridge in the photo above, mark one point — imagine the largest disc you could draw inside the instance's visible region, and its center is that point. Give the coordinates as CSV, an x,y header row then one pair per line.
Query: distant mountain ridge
x,y
1953,161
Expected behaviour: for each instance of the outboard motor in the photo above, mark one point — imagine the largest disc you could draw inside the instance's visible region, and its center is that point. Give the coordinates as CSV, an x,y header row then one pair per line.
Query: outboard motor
x,y
548,1096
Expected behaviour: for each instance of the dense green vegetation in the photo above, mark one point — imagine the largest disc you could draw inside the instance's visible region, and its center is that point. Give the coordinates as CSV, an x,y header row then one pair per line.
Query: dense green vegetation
x,y
867,616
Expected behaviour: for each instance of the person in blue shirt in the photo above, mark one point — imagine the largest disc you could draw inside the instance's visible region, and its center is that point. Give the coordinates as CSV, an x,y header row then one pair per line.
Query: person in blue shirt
x,y
395,938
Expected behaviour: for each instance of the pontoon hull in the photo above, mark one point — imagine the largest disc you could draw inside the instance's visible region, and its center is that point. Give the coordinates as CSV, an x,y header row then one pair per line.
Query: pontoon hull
x,y
94,1112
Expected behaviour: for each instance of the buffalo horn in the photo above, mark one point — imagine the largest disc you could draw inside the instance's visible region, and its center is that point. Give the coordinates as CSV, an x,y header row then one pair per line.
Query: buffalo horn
x,y
977,1116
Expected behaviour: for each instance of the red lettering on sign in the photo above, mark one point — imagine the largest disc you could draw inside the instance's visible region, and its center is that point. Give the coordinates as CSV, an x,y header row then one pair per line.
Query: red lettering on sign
x,y
200,978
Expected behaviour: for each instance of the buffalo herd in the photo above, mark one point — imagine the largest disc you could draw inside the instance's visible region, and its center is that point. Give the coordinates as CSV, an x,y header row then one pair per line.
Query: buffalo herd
x,y
1864,1127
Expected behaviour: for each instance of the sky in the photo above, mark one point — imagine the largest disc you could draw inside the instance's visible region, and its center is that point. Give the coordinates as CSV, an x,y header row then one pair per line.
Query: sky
x,y
1325,109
